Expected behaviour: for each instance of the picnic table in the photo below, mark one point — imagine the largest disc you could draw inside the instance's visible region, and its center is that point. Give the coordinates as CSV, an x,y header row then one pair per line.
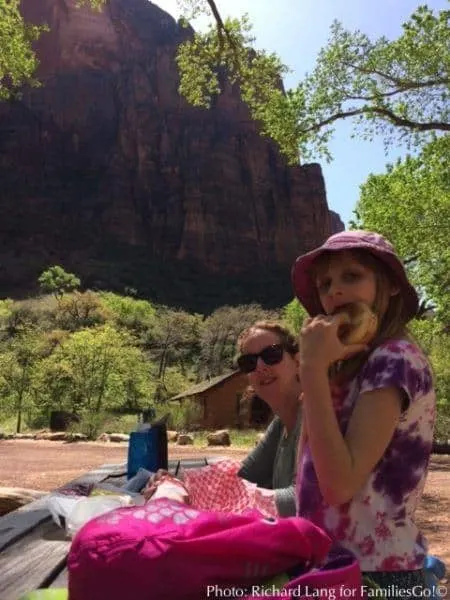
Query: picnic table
x,y
33,548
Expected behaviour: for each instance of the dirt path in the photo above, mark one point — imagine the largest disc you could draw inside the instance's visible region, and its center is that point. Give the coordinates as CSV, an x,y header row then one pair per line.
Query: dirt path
x,y
45,465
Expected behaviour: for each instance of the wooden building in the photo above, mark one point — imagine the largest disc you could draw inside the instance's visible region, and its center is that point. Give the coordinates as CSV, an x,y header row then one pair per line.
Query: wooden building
x,y
225,403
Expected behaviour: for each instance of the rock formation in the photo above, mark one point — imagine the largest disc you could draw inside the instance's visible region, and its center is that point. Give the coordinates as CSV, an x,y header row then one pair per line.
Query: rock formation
x,y
336,222
107,171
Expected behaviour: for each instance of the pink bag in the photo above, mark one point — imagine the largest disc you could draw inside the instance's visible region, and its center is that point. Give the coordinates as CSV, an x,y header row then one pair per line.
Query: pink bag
x,y
168,551
339,579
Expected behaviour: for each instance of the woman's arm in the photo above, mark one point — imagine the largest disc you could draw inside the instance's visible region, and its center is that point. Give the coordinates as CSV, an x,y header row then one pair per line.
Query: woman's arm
x,y
257,467
285,501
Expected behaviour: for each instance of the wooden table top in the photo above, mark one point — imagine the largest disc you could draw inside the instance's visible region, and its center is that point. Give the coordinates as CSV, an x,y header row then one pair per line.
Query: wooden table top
x,y
33,548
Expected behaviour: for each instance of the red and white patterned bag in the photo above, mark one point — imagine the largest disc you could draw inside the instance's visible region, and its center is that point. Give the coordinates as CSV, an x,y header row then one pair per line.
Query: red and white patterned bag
x,y
218,487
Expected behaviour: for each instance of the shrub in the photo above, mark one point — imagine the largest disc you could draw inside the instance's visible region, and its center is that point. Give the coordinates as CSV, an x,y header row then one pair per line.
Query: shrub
x,y
183,415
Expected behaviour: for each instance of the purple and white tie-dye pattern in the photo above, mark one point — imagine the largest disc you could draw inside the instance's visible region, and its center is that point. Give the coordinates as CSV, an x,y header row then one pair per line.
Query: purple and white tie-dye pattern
x,y
377,525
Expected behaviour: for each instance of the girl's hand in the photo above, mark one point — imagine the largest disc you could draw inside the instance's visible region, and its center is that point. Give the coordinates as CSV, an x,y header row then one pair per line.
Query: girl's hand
x,y
320,345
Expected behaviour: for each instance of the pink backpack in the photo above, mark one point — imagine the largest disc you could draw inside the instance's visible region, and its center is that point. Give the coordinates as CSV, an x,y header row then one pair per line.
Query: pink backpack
x,y
169,551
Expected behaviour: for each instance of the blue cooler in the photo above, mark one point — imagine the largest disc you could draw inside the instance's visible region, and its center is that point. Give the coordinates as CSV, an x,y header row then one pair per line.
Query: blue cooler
x,y
147,450
434,572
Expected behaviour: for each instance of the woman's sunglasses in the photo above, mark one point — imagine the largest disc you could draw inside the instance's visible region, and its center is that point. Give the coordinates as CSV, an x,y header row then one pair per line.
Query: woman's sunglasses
x,y
271,355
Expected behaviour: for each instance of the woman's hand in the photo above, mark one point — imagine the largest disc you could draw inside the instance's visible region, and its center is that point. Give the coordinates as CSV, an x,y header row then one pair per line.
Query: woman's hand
x,y
153,482
164,485
320,345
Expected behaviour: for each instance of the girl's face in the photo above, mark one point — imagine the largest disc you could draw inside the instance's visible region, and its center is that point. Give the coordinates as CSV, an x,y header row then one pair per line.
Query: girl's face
x,y
271,382
341,279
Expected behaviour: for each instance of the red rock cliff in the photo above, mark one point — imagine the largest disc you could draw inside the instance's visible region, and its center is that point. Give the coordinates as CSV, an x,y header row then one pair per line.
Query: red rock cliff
x,y
106,170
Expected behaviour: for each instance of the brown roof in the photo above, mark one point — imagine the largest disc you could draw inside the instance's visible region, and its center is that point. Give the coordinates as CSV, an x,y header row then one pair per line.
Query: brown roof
x,y
206,385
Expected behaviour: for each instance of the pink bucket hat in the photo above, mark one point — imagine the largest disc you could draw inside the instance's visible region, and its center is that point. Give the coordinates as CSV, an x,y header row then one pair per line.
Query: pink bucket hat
x,y
376,244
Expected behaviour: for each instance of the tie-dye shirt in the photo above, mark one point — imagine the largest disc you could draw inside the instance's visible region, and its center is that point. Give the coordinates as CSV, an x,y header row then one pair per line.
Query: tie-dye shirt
x,y
377,525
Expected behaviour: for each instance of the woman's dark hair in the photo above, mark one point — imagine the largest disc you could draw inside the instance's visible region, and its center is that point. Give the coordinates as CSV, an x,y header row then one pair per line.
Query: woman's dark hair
x,y
286,337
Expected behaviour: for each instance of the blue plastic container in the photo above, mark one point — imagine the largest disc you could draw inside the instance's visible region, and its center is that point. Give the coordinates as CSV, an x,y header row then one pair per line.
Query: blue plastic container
x,y
434,572
147,450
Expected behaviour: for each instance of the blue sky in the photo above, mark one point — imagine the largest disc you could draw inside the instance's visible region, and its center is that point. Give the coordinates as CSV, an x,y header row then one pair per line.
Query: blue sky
x,y
296,30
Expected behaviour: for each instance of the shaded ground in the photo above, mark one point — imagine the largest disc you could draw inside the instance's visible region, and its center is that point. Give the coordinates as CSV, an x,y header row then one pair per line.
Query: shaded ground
x,y
45,465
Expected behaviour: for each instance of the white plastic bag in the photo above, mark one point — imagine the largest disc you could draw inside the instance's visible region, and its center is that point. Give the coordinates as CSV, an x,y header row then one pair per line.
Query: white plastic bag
x,y
86,509
61,505
78,510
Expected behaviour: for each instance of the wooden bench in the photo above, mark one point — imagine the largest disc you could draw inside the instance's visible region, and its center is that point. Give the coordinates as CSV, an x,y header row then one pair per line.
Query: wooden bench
x,y
33,549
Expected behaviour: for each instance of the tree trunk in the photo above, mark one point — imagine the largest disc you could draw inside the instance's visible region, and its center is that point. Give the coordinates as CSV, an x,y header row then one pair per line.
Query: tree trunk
x,y
20,399
19,411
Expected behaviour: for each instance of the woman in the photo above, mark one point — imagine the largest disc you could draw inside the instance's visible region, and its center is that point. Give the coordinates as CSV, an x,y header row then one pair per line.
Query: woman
x,y
268,353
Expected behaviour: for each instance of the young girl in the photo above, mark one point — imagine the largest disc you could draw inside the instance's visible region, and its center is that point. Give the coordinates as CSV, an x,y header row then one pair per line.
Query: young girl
x,y
368,411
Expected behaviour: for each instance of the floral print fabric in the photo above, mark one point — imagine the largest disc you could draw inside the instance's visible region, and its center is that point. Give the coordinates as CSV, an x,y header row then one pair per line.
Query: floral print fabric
x,y
377,525
166,550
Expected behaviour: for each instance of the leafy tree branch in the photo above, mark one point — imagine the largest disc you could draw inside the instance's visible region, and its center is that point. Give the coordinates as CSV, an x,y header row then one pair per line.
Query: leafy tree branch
x,y
18,61
398,89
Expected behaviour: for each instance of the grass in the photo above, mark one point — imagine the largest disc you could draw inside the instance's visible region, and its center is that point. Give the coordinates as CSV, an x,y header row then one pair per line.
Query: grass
x,y
8,425
243,438
240,438
120,424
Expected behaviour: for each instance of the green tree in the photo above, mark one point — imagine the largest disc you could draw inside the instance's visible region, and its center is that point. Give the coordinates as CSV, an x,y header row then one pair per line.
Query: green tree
x,y
57,281
219,334
18,62
17,59
81,309
173,338
94,370
174,383
17,319
293,315
6,306
17,364
20,315
398,89
410,204
435,340
184,415
53,384
131,313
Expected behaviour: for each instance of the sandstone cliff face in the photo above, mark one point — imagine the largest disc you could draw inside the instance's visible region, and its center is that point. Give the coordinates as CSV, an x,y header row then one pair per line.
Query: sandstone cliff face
x,y
107,171
336,223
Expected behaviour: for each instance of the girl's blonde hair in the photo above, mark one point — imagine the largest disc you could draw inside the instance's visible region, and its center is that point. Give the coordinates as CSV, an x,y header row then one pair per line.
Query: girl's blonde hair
x,y
286,337
389,308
